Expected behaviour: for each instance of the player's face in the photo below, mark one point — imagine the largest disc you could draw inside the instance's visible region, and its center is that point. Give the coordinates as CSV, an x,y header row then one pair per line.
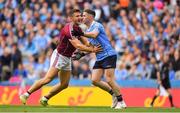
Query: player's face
x,y
83,18
76,18
86,17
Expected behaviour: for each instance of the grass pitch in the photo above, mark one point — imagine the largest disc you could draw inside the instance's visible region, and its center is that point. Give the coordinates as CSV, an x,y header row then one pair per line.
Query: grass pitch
x,y
82,109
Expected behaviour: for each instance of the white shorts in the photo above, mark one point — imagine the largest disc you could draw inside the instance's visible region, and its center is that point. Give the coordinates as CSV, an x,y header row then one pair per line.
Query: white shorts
x,y
59,61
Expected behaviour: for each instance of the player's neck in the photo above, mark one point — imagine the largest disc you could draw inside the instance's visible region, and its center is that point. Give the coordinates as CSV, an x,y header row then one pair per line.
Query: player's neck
x,y
74,23
90,22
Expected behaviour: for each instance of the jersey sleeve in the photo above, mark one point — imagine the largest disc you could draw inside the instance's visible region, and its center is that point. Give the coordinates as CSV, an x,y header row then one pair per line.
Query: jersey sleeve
x,y
66,31
60,36
97,28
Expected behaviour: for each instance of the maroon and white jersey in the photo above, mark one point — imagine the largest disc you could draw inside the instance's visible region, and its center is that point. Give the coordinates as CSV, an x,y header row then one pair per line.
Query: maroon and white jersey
x,y
64,46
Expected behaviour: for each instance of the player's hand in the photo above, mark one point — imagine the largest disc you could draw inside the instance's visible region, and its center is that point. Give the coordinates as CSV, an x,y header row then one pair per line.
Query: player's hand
x,y
97,49
77,31
78,55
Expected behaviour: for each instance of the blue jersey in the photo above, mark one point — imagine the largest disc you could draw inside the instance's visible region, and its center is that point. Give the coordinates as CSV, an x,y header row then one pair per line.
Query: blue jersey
x,y
101,39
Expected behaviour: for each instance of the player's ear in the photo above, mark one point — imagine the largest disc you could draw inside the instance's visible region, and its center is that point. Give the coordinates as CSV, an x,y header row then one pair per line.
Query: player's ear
x,y
69,18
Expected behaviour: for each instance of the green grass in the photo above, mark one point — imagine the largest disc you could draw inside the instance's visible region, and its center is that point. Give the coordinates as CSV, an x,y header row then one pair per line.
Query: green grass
x,y
66,109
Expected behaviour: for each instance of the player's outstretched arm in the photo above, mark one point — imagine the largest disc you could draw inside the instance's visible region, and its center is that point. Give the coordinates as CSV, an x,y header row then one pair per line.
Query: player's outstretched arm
x,y
85,41
77,31
92,34
79,54
77,44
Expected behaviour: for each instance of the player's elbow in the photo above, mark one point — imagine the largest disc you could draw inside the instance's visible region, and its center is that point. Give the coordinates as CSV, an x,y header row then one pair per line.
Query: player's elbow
x,y
94,36
91,34
76,45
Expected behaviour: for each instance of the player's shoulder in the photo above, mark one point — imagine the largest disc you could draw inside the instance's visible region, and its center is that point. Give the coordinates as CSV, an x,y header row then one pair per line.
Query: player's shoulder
x,y
97,24
65,30
66,26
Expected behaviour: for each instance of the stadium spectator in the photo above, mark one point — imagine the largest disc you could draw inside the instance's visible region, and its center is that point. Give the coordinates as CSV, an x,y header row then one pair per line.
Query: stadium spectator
x,y
29,48
86,73
20,71
30,65
176,63
121,73
6,60
16,56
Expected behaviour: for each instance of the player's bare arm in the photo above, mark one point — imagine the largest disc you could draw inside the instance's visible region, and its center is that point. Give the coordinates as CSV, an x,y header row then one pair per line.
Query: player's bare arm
x,y
92,34
79,33
77,44
79,54
85,41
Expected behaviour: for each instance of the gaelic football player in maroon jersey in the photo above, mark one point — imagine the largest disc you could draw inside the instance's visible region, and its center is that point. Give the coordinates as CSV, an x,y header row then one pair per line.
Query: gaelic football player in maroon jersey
x,y
61,60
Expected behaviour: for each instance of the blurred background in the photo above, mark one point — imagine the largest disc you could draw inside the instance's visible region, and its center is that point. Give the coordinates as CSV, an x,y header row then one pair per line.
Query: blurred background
x,y
142,32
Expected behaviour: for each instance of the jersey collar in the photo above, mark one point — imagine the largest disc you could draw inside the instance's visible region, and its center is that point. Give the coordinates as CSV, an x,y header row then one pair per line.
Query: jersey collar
x,y
93,22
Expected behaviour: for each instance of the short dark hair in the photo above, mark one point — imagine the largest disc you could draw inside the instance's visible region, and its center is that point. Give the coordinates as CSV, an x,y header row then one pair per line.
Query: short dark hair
x,y
74,11
91,12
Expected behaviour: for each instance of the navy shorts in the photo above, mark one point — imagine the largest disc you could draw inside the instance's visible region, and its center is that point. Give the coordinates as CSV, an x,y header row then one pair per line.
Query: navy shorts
x,y
165,84
108,62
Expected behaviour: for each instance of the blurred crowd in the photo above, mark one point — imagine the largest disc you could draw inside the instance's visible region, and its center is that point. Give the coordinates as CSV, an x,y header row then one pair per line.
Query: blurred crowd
x,y
141,31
